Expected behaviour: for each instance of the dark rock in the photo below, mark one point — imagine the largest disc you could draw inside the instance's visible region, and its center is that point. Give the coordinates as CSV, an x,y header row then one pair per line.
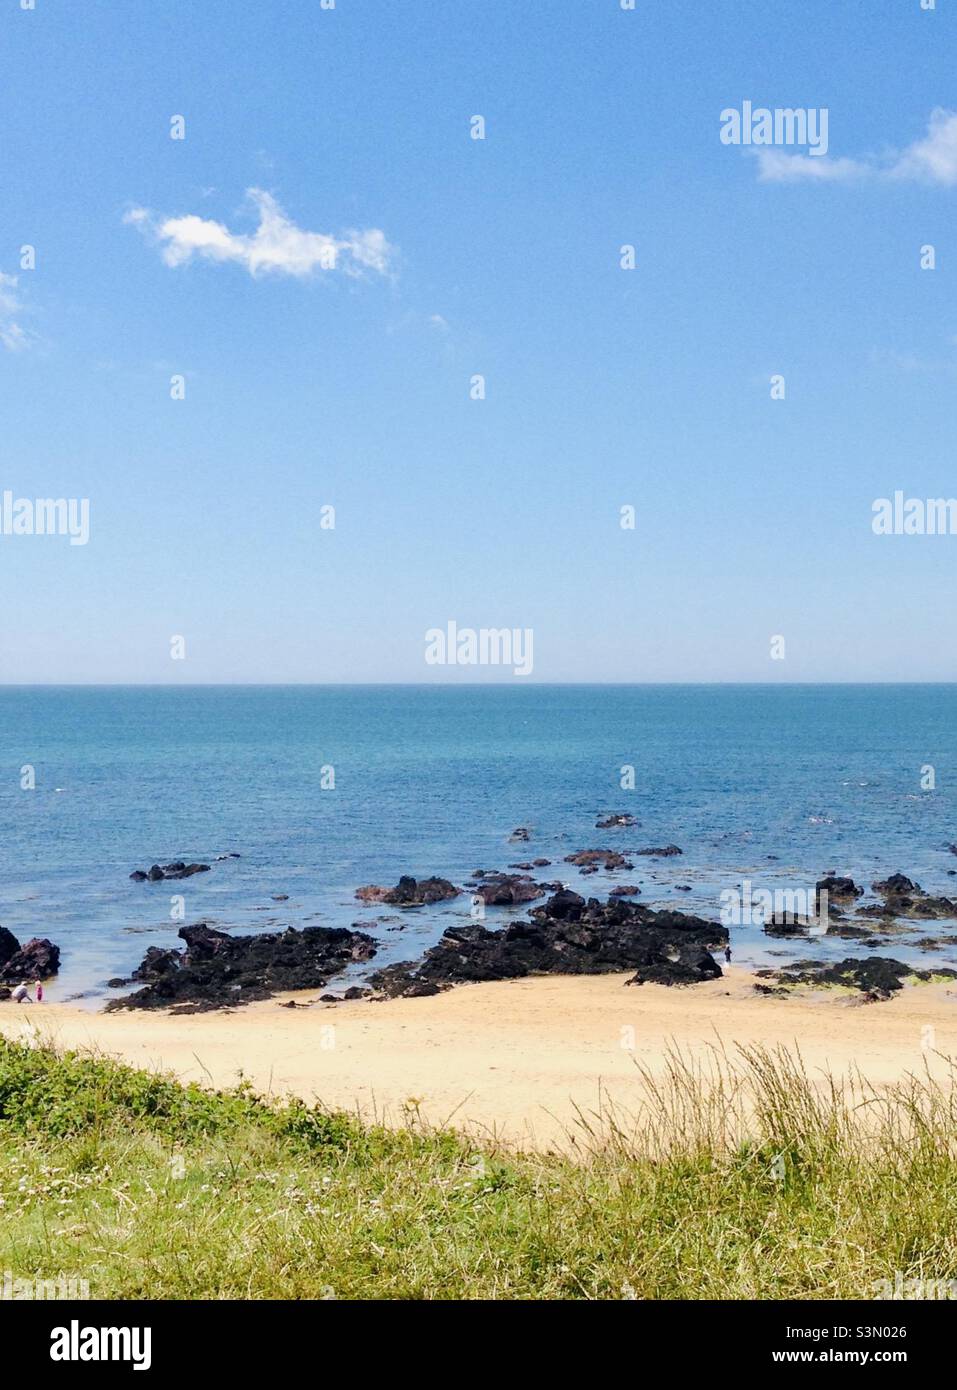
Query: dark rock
x,y
838,889
4,992
594,859
356,992
897,886
625,890
215,971
622,819
678,965
503,890
566,906
410,893
541,863
9,945
874,976
668,852
177,869
37,960
905,898
567,936
520,834
280,897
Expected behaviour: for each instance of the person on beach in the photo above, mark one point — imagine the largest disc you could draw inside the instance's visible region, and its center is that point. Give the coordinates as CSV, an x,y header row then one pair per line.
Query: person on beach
x,y
39,994
21,995
727,954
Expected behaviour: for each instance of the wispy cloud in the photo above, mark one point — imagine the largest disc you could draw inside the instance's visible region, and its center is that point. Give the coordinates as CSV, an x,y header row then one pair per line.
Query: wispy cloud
x,y
932,159
13,335
774,166
276,247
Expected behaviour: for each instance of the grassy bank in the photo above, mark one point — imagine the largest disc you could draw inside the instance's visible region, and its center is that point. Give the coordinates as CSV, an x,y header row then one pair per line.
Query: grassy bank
x,y
745,1182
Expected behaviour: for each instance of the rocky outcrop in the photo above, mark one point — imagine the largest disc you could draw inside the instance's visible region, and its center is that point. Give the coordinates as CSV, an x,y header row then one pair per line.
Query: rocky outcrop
x,y
566,936
160,872
905,898
622,820
668,852
9,946
897,886
876,977
504,890
37,960
594,859
215,970
520,835
838,889
410,892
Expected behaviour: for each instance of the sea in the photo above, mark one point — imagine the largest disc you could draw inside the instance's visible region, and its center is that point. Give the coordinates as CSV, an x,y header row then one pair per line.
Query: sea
x,y
322,789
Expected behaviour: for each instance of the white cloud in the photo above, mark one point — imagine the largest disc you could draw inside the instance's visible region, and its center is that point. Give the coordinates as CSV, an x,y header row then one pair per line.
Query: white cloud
x,y
277,246
932,159
774,166
12,335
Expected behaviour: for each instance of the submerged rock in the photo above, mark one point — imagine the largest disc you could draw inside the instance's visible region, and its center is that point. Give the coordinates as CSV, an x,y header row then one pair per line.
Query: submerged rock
x,y
566,936
216,971
594,859
177,869
410,892
668,852
622,820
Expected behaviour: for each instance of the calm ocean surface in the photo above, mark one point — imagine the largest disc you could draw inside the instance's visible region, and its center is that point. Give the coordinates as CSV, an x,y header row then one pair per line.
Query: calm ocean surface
x,y
431,780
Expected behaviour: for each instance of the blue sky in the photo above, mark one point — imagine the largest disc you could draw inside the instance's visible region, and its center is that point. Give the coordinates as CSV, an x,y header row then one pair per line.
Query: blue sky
x,y
349,386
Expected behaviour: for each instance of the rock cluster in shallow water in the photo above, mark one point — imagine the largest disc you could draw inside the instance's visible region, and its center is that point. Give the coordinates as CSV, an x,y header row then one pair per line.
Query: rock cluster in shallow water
x,y
410,892
158,873
215,971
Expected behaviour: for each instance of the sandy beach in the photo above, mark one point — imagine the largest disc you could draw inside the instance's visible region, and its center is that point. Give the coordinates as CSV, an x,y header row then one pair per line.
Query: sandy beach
x,y
516,1060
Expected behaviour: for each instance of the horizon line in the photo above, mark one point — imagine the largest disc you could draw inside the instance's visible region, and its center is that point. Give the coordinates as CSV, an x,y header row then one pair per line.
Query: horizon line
x,y
446,685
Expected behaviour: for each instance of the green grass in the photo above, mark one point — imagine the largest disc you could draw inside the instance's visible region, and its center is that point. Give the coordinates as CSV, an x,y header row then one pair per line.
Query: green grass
x,y
745,1179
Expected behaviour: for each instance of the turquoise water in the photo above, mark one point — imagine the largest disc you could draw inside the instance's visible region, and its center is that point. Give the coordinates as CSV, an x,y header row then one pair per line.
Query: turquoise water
x,y
432,779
